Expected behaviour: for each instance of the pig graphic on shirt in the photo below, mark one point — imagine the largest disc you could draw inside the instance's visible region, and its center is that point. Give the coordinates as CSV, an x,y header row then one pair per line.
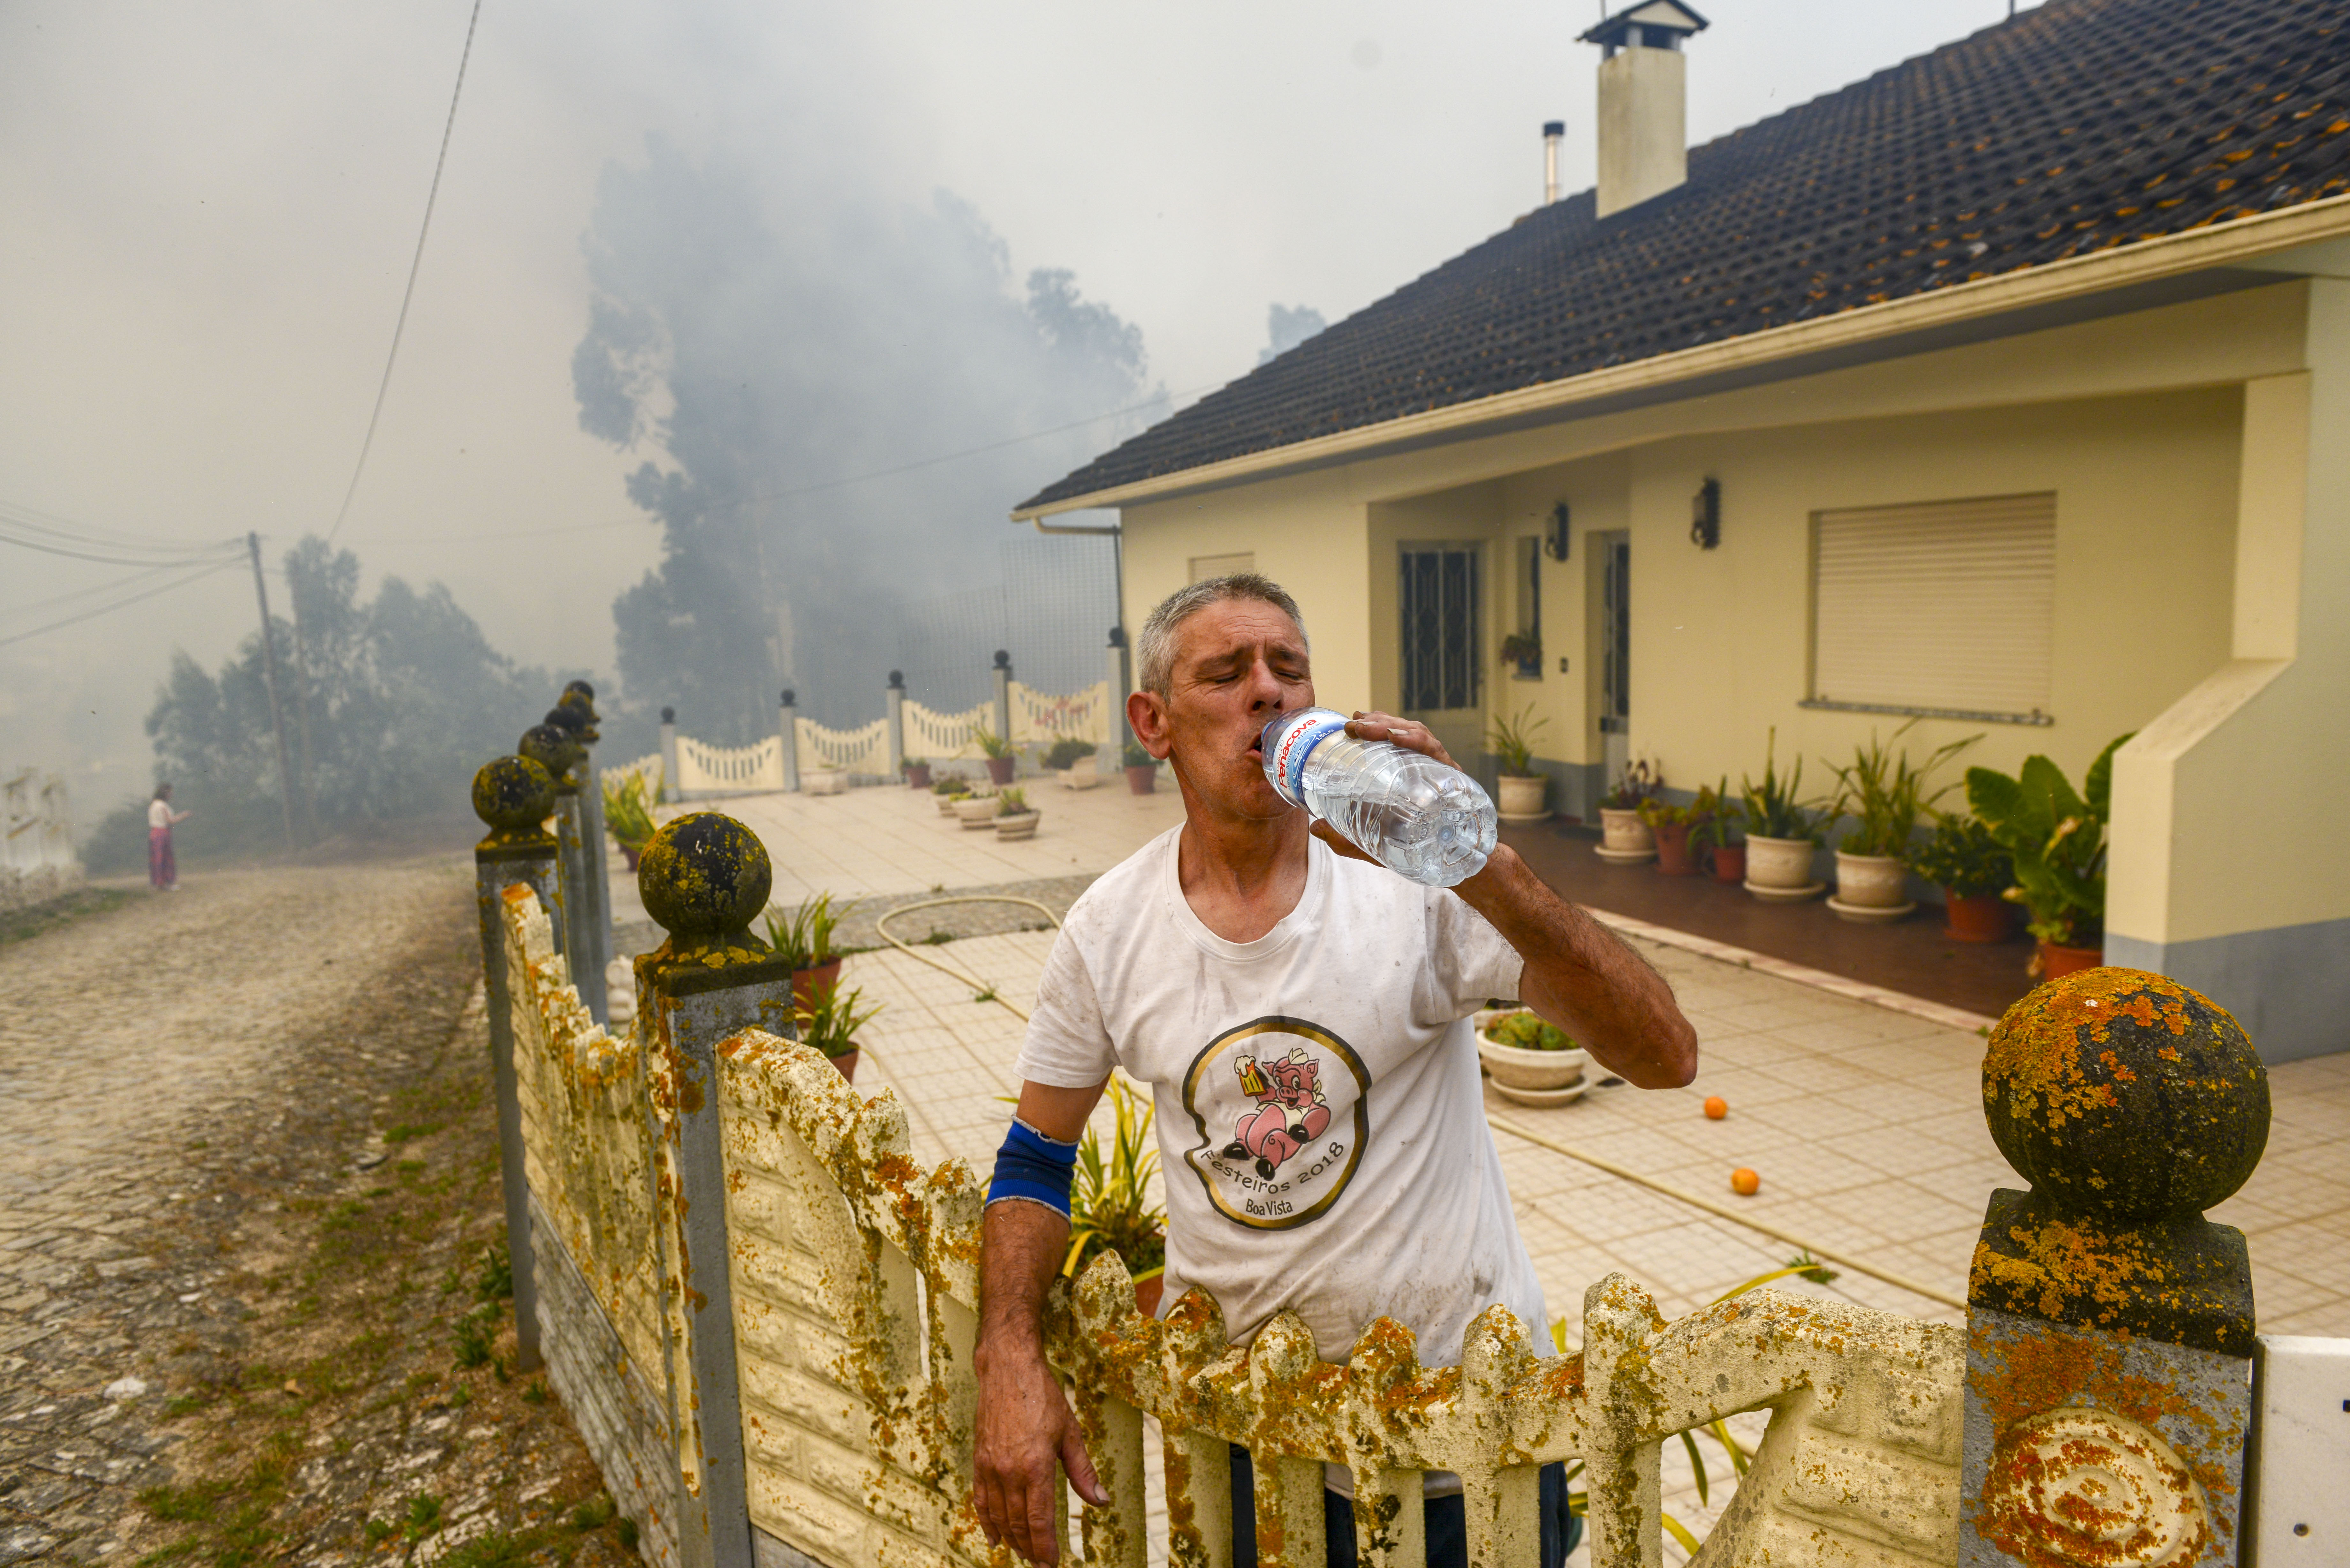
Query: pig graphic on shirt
x,y
1291,1109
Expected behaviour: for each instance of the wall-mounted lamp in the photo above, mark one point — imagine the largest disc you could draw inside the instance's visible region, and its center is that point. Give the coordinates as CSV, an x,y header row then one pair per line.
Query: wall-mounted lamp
x,y
1705,515
1555,542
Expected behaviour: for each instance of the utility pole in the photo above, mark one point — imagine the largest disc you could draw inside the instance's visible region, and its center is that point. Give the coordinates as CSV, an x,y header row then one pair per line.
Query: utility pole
x,y
269,672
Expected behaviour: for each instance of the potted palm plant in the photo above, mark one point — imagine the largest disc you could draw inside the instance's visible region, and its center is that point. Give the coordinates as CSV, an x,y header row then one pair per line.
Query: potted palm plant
x,y
2058,840
917,773
1002,761
1523,789
1716,829
1886,797
1073,760
1109,1203
1015,817
1142,769
1624,837
1670,826
1967,863
832,1022
805,937
628,813
1783,831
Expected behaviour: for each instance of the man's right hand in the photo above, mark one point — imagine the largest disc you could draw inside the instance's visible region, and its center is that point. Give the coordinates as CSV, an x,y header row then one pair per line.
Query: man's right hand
x,y
1027,1435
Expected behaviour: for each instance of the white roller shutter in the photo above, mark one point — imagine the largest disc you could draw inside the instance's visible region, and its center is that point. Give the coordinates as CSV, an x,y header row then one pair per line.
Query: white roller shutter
x,y
1942,608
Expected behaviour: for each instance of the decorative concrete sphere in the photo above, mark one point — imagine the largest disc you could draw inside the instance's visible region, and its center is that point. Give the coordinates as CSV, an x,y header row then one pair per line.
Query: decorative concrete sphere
x,y
514,795
567,717
2125,1096
552,748
705,875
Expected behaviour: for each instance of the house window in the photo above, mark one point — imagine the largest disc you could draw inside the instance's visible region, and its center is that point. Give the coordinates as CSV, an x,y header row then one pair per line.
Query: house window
x,y
1440,641
1206,566
1945,609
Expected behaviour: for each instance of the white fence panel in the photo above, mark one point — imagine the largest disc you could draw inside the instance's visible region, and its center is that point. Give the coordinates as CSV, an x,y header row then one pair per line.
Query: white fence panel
x,y
36,853
648,768
864,750
1040,718
706,769
934,736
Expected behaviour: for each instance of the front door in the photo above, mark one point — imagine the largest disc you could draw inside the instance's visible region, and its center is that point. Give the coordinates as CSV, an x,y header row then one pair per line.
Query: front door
x,y
1443,645
1612,554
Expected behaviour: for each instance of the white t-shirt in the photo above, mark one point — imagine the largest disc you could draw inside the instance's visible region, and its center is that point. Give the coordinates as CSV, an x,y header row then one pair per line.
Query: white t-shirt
x,y
1320,1120
159,814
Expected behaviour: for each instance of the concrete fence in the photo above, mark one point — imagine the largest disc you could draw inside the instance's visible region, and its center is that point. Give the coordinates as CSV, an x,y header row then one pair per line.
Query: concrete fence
x,y
36,856
760,1312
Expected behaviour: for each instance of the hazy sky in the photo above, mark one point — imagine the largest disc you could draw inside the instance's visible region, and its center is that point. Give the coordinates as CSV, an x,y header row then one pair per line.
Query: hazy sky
x,y
210,213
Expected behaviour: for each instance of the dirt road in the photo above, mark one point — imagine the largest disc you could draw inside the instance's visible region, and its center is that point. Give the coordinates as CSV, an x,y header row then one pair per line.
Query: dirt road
x,y
248,1232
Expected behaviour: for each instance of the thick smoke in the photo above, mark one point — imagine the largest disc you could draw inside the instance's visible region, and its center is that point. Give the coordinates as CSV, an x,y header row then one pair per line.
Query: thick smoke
x,y
768,352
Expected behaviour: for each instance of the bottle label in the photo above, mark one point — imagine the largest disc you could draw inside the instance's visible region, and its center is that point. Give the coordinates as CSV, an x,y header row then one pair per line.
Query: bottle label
x,y
1287,765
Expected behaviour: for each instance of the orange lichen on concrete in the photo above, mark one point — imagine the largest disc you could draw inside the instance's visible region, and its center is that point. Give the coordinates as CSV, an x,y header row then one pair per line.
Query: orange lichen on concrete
x,y
2070,1272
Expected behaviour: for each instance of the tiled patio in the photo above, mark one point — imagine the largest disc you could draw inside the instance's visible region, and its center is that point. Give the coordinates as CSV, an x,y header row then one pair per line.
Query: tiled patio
x,y
1864,1121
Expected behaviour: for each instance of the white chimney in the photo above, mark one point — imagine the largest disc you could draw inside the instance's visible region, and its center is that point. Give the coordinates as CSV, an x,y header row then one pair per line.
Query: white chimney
x,y
1553,132
1643,101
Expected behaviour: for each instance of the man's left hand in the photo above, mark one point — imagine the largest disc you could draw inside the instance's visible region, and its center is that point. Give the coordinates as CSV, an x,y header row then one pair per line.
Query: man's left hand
x,y
1412,736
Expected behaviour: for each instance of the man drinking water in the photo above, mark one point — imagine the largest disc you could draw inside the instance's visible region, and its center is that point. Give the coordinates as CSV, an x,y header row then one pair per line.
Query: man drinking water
x,y
1299,1014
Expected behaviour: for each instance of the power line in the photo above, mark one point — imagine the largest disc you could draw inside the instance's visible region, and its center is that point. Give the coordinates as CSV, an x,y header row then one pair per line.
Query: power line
x,y
112,584
415,264
16,514
186,559
198,574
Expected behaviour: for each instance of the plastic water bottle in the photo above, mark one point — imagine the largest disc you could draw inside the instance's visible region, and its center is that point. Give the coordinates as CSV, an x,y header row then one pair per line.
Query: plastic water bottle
x,y
1412,813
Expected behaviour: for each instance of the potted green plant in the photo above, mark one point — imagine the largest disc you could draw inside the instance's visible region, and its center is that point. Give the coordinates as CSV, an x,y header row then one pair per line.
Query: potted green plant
x,y
805,937
831,1024
1716,830
1530,1059
949,789
1015,817
917,773
1670,826
628,813
1003,761
2057,838
1109,1203
1885,796
1073,760
977,809
1624,837
1967,863
1523,789
1141,768
1783,831
1523,648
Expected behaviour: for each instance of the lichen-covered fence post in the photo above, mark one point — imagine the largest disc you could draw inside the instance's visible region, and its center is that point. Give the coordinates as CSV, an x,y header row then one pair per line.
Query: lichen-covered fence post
x,y
705,878
893,703
670,779
513,796
1000,675
2110,1329
558,751
788,726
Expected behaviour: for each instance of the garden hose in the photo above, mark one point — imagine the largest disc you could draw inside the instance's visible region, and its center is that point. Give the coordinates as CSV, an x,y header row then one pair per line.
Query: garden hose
x,y
978,986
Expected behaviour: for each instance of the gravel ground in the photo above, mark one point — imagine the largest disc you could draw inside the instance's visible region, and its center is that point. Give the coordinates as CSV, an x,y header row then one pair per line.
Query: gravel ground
x,y
249,1237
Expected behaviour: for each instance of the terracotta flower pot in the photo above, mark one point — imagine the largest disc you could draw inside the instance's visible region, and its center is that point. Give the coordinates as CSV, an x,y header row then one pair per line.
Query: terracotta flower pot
x,y
1622,836
1729,863
809,985
1143,777
1146,1292
1002,769
1977,917
1672,850
628,853
846,1063
918,775
1778,862
2059,960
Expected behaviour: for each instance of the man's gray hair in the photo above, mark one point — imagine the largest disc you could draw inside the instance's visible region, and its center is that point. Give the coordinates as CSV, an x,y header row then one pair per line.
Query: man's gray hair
x,y
1155,649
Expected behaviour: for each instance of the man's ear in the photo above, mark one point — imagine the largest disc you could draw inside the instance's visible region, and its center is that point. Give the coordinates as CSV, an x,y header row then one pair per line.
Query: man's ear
x,y
1145,714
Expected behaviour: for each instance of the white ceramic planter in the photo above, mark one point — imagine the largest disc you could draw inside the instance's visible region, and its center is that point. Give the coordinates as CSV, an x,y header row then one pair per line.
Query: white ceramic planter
x,y
1780,862
824,781
976,811
1082,774
947,802
1870,881
1624,837
1514,1068
1521,797
1020,825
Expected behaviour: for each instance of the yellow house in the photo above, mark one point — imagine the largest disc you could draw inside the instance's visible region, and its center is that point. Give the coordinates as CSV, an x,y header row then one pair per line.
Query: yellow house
x,y
2008,390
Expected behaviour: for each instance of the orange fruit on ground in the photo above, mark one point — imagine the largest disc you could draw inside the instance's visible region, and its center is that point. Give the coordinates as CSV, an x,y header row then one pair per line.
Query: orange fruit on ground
x,y
1716,1108
1744,1182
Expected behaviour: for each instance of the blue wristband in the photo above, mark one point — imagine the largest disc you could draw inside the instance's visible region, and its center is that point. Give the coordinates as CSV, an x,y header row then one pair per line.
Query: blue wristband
x,y
1033,1168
